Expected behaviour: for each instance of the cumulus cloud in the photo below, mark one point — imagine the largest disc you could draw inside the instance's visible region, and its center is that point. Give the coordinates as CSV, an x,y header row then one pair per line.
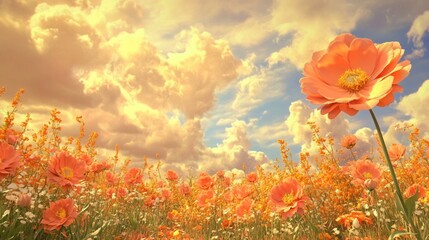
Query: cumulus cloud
x,y
297,127
98,60
411,105
312,25
416,33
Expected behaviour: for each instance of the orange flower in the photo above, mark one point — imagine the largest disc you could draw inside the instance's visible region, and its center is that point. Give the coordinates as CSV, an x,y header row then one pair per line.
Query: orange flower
x,y
287,198
60,213
9,159
171,175
252,177
396,151
346,220
65,170
411,190
245,207
242,191
205,198
365,173
348,141
133,176
204,181
354,74
185,189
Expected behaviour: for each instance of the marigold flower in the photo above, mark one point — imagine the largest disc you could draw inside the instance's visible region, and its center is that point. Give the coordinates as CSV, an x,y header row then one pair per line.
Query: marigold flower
x,y
396,151
348,141
9,159
133,176
411,190
347,220
354,74
65,170
287,198
365,173
60,213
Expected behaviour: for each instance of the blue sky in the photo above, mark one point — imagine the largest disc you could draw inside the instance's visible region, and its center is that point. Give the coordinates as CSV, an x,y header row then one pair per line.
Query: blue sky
x,y
205,85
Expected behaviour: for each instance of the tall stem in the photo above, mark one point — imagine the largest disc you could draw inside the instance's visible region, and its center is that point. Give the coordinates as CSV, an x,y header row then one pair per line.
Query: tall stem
x,y
395,180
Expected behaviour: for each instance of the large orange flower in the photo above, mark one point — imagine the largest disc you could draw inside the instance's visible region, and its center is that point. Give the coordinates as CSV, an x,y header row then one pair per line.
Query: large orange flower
x,y
9,159
60,213
65,170
354,74
287,198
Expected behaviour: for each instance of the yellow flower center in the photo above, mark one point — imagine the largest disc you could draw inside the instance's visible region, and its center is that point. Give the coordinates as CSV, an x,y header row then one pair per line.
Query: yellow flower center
x,y
353,80
288,198
367,175
67,172
61,213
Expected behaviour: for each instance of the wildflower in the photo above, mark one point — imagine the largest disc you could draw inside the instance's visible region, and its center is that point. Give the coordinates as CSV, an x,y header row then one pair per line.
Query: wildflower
x,y
242,191
9,159
411,190
353,219
204,181
244,207
185,189
171,176
396,151
365,173
354,74
60,213
252,177
133,176
97,167
348,141
287,198
65,170
205,198
111,177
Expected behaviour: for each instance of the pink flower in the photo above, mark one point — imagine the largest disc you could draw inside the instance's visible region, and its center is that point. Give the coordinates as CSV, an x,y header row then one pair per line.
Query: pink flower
x,y
133,176
242,191
396,151
60,213
365,173
348,141
65,170
287,198
354,74
9,159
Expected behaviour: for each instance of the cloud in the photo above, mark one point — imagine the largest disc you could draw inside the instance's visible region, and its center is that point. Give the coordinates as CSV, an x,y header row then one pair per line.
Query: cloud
x,y
311,26
411,105
301,133
416,33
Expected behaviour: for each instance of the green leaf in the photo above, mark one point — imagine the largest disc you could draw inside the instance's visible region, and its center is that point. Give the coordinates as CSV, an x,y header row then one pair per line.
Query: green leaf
x,y
410,204
398,233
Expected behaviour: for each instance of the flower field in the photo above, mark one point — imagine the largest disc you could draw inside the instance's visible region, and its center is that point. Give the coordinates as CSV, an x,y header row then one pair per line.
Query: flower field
x,y
54,186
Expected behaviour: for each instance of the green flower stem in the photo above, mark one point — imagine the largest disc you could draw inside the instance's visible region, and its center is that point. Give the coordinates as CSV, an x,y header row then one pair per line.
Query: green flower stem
x,y
395,180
